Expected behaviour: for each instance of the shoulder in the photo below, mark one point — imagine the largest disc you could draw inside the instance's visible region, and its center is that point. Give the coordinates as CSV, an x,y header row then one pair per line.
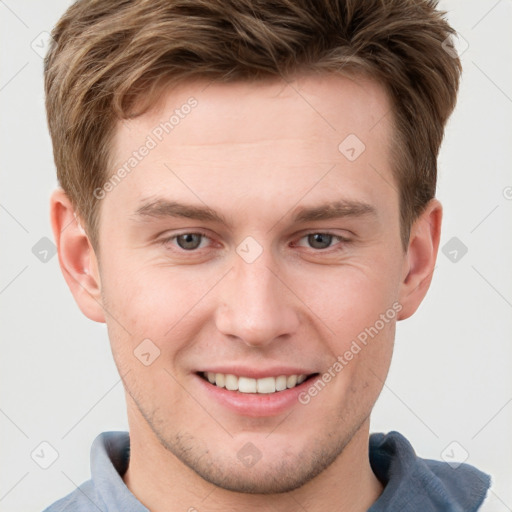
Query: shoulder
x,y
414,483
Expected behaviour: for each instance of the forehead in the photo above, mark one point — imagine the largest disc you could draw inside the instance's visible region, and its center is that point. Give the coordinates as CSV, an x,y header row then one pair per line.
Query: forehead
x,y
328,103
259,138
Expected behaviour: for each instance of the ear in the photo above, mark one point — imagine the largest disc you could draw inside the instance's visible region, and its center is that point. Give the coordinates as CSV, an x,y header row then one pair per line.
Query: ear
x,y
77,258
420,260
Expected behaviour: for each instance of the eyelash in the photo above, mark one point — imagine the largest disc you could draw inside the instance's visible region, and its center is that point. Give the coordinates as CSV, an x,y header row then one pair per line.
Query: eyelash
x,y
329,249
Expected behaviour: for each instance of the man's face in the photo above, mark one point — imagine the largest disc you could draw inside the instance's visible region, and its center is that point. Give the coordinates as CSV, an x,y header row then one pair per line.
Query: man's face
x,y
266,287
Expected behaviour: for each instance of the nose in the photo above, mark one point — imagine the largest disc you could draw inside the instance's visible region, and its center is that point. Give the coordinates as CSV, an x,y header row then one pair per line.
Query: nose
x,y
256,305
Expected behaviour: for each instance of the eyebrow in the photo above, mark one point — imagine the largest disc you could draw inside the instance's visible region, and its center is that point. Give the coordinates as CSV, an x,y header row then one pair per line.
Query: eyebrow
x,y
335,210
162,208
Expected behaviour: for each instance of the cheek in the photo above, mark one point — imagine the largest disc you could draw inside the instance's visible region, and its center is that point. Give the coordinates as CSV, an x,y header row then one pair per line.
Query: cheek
x,y
150,300
164,305
358,309
351,299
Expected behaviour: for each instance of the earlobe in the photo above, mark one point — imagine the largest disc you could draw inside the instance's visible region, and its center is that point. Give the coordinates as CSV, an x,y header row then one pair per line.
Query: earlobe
x,y
420,260
77,258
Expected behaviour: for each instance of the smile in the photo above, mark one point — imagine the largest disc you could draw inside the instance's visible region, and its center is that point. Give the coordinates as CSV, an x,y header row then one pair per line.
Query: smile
x,y
265,385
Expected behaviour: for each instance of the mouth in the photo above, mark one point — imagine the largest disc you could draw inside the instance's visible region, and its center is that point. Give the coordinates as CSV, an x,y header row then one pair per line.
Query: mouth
x,y
262,386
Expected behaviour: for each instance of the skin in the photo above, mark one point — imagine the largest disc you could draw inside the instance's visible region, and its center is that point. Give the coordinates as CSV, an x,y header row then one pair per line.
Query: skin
x,y
256,154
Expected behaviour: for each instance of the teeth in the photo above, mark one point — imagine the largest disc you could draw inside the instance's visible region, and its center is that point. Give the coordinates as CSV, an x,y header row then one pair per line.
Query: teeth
x,y
291,381
231,383
220,380
281,383
264,385
246,385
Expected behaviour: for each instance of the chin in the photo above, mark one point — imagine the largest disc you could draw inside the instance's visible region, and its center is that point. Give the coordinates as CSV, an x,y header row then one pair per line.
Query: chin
x,y
271,471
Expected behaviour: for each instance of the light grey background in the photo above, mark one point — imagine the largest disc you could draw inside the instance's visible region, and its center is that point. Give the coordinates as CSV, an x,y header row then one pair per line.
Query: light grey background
x,y
451,375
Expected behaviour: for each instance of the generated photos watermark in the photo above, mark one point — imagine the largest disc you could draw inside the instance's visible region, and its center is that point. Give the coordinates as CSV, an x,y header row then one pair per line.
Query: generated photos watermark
x,y
356,346
152,140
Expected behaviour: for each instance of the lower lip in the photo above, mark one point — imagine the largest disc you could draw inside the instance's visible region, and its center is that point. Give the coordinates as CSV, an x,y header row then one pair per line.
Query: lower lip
x,y
254,404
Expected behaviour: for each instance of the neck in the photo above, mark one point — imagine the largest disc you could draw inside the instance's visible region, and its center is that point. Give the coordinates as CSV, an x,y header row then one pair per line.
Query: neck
x,y
163,483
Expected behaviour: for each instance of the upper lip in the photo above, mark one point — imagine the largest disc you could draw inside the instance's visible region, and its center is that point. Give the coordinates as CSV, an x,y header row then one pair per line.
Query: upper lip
x,y
257,373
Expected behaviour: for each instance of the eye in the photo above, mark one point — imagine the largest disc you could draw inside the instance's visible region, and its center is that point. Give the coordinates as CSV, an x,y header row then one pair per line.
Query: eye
x,y
187,241
321,240
193,241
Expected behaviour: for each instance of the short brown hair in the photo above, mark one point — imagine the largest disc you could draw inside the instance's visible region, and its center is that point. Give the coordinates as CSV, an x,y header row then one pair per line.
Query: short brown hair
x,y
106,56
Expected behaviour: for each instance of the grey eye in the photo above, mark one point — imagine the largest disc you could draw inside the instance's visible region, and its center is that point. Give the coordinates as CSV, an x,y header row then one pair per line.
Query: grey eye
x,y
189,241
320,240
